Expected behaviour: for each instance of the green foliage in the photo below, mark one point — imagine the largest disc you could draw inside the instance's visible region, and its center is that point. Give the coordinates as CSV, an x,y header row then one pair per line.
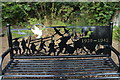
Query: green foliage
x,y
100,13
13,13
116,33
26,14
33,21
73,13
65,12
59,23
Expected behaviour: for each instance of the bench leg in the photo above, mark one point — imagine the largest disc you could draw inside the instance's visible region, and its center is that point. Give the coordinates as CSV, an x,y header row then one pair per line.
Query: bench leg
x,y
119,63
119,68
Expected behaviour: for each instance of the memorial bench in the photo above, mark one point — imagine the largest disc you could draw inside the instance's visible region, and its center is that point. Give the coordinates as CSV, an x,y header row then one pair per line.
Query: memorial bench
x,y
64,53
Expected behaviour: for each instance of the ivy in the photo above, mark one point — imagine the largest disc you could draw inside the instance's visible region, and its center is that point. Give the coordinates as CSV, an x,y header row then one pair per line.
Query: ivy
x,y
116,33
74,13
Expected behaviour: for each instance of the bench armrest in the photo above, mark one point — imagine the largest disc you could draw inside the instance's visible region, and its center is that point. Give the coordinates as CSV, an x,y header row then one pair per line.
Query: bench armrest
x,y
2,58
117,53
5,53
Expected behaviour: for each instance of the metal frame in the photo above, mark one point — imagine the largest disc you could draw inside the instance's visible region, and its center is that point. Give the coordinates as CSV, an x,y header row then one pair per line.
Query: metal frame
x,y
10,40
0,68
118,55
62,76
1,60
27,63
39,57
69,48
7,51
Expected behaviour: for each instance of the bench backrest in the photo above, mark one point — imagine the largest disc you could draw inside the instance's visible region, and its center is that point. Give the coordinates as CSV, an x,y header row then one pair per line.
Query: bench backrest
x,y
64,40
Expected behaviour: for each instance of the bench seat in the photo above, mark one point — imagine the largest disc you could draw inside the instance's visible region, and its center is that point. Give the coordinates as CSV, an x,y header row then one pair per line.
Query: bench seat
x,y
64,68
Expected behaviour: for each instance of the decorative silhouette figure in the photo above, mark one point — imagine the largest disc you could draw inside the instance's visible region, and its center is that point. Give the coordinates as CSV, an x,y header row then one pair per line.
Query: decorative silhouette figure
x,y
66,31
24,46
69,49
79,45
33,48
90,47
52,48
102,51
75,35
16,46
63,43
41,46
85,30
58,32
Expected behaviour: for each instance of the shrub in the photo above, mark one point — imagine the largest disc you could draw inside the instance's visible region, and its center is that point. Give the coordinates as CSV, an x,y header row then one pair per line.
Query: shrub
x,y
116,33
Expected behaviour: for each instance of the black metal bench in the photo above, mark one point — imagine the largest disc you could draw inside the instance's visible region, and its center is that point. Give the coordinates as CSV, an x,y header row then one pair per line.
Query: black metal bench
x,y
65,53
